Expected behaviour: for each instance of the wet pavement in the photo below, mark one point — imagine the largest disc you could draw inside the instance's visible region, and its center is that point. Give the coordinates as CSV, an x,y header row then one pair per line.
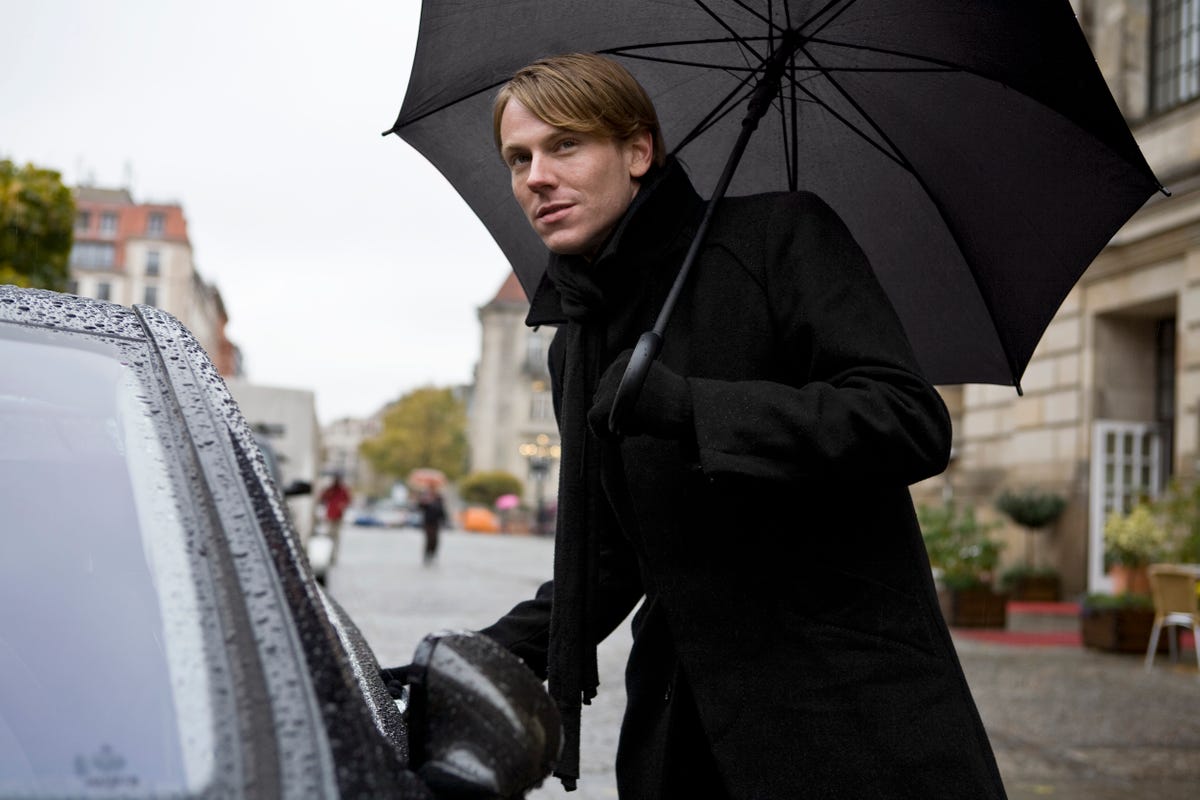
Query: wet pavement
x,y
1066,723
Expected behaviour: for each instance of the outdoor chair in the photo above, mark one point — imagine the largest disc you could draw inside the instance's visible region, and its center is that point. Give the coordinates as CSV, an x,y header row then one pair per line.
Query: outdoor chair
x,y
1175,605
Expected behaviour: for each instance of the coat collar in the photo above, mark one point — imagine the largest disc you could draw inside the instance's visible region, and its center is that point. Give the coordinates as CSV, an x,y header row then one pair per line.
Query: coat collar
x,y
661,211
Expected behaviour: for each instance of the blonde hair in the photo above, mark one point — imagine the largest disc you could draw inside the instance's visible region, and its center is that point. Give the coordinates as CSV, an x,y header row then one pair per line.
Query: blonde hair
x,y
586,93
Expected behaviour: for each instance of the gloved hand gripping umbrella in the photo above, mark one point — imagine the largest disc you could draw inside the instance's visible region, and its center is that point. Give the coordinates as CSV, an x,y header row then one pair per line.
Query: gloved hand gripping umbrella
x,y
972,147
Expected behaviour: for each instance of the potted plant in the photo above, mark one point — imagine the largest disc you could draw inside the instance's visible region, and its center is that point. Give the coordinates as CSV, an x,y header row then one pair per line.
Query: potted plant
x,y
1032,584
965,558
1131,542
1179,510
1033,510
1118,623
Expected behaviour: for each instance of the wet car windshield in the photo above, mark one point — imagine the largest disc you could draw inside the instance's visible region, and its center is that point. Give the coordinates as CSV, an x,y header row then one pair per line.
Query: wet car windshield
x,y
96,585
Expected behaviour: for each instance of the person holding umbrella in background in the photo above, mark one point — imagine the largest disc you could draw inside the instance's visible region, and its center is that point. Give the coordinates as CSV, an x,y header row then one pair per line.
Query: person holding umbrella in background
x,y
774,655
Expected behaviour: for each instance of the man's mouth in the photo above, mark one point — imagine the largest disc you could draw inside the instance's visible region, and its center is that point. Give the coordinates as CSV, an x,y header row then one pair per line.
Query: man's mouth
x,y
552,212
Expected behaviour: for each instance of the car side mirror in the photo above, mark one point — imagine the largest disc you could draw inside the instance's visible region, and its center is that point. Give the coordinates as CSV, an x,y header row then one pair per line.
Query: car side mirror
x,y
297,487
480,724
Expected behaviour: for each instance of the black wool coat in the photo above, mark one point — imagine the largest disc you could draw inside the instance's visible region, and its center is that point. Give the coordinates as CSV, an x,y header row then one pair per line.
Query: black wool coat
x,y
788,596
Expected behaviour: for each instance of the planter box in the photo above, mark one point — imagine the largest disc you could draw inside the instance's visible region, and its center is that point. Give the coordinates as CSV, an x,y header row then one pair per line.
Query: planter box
x,y
978,607
1120,630
1037,589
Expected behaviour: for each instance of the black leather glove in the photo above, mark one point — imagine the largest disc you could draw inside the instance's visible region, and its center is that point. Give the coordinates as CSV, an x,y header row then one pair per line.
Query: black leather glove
x,y
663,409
395,679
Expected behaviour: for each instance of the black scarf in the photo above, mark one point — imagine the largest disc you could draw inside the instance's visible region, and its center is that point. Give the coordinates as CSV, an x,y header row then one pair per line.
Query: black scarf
x,y
606,303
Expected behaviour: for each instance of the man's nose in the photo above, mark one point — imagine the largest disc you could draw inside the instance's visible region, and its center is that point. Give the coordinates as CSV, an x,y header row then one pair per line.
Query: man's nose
x,y
540,174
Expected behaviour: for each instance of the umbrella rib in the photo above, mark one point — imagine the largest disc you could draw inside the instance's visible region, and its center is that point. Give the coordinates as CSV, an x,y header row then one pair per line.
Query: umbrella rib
x,y
742,5
730,102
396,127
832,17
939,62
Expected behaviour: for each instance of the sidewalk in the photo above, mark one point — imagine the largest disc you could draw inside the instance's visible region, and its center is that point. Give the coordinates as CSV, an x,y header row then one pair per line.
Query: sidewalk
x,y
1074,723
1066,723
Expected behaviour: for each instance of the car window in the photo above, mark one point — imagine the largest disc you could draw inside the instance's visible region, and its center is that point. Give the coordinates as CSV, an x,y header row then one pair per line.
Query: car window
x,y
105,683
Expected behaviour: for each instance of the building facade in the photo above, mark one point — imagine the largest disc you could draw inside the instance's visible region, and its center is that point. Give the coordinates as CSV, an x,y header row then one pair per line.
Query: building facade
x,y
341,440
1110,409
510,421
128,253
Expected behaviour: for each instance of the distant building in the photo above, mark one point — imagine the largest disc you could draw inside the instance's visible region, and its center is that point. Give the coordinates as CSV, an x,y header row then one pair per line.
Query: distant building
x,y
128,253
341,440
287,420
511,423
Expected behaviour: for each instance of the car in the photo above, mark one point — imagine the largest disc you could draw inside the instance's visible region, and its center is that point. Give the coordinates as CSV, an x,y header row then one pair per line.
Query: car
x,y
161,630
385,514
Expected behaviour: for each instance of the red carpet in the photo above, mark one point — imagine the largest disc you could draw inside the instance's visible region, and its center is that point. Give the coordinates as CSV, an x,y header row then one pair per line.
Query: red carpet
x,y
1024,638
1068,634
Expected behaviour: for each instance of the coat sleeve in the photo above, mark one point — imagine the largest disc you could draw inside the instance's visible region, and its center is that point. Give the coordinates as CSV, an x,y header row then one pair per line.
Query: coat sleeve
x,y
525,630
850,400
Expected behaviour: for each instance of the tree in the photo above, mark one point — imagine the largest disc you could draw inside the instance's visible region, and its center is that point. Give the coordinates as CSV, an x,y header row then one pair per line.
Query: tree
x,y
425,428
37,216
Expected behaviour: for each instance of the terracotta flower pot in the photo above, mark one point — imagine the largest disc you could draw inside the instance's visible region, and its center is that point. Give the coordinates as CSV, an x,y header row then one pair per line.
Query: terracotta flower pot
x,y
1131,580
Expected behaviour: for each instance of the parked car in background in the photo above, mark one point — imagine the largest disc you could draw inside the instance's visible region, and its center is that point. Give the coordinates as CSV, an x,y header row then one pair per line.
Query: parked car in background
x,y
385,514
161,631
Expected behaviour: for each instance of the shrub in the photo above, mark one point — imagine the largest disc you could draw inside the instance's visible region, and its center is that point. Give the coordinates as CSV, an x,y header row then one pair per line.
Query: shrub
x,y
1135,539
482,488
959,545
1031,508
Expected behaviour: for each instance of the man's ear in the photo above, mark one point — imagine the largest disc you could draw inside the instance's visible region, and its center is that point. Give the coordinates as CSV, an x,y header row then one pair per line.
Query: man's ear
x,y
639,150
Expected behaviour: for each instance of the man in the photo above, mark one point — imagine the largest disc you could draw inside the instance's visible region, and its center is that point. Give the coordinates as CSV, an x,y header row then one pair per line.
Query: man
x,y
433,513
789,642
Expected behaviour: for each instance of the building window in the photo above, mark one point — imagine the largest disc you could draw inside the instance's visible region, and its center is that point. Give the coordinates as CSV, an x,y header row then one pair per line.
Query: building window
x,y
152,262
92,255
83,220
154,224
540,405
104,291
151,296
1175,53
108,224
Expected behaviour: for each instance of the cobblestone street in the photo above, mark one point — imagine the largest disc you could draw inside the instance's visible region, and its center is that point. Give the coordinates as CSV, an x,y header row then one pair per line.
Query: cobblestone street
x,y
1066,722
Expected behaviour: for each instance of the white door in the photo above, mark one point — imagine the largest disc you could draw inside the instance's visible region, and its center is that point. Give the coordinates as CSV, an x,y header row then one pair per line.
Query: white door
x,y
1126,465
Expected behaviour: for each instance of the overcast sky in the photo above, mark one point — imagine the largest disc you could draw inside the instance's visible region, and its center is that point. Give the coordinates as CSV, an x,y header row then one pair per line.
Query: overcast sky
x,y
348,265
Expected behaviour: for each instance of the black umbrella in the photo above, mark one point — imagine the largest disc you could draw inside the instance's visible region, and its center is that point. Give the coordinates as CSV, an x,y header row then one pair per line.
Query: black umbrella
x,y
971,146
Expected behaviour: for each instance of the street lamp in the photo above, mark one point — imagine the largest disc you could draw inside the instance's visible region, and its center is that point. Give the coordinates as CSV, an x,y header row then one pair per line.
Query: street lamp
x,y
541,455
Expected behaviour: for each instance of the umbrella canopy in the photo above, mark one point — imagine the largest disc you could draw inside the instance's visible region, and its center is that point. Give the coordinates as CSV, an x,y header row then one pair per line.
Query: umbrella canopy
x,y
972,147
506,502
426,478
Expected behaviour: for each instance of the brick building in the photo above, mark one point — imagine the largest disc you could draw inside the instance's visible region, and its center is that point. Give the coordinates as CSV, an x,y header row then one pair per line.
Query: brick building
x,y
128,253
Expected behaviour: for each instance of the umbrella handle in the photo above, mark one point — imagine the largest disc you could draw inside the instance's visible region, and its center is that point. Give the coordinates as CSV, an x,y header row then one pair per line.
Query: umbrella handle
x,y
644,353
650,342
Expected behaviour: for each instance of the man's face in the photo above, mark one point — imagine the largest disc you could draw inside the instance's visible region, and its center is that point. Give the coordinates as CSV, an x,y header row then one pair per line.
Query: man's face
x,y
573,187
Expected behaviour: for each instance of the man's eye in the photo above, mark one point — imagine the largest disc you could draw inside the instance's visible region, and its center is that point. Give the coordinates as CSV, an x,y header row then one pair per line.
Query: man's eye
x,y
567,144
518,159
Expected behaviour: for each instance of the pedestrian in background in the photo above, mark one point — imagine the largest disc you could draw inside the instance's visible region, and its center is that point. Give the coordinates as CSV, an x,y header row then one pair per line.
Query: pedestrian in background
x,y
789,642
335,499
433,514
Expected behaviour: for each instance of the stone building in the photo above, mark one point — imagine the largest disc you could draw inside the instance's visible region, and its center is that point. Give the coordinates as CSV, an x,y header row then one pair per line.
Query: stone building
x,y
1110,406
511,423
128,253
